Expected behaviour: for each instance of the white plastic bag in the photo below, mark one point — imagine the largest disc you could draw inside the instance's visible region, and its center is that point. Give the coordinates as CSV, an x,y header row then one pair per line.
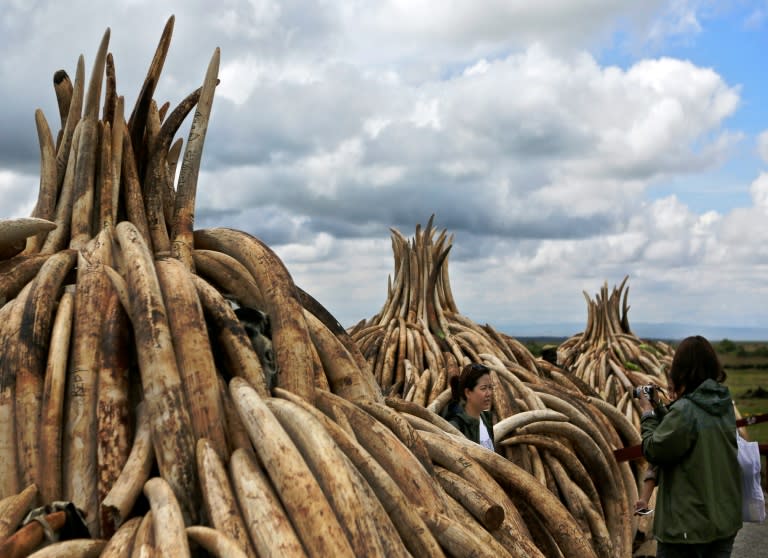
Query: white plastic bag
x,y
753,502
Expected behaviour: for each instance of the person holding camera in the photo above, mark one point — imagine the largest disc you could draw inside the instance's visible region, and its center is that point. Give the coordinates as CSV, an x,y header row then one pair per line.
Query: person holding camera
x,y
698,505
654,394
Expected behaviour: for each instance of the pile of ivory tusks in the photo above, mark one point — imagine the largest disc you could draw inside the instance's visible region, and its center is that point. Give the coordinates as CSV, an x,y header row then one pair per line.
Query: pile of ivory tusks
x,y
612,360
419,339
550,423
129,387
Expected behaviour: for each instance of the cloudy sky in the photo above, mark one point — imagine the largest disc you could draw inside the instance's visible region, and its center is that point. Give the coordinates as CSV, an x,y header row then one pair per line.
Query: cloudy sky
x,y
563,143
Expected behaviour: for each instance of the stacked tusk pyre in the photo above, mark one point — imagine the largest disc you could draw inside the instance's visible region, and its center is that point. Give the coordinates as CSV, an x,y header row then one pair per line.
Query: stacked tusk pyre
x,y
131,391
611,359
550,422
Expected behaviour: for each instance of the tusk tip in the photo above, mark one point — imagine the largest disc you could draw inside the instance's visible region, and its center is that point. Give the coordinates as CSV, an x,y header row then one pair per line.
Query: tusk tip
x,y
60,76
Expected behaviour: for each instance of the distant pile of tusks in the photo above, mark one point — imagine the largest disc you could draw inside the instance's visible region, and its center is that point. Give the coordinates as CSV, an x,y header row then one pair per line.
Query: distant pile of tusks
x,y
129,387
552,421
611,359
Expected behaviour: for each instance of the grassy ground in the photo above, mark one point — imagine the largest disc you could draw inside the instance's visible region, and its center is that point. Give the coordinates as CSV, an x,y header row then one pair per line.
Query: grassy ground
x,y
747,367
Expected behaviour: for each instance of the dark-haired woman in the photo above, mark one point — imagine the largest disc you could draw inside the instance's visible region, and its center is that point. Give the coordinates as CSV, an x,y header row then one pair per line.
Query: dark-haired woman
x,y
471,400
698,506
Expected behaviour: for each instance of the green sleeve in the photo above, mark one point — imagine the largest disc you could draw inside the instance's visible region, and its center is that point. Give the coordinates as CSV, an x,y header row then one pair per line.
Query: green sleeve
x,y
666,440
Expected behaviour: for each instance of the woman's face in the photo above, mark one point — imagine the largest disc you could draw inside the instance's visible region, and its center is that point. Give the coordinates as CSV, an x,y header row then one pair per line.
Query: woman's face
x,y
480,398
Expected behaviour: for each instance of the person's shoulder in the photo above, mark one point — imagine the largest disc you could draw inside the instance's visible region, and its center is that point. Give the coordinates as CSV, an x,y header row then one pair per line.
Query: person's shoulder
x,y
682,404
460,421
461,416
682,407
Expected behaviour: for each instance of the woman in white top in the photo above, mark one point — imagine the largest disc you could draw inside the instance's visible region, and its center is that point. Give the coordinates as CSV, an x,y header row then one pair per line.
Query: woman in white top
x,y
469,408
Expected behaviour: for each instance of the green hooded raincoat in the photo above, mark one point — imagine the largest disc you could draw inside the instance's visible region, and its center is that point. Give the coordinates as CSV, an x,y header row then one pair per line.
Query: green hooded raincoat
x,y
694,445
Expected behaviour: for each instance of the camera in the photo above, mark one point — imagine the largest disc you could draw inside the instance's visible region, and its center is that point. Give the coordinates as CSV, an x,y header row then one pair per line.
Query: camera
x,y
649,390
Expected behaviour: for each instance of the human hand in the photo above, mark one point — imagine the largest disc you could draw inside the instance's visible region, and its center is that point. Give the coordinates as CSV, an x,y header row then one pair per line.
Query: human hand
x,y
646,397
644,402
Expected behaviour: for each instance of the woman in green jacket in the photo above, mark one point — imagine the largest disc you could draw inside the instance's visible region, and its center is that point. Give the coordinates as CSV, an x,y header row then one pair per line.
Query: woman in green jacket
x,y
468,410
698,506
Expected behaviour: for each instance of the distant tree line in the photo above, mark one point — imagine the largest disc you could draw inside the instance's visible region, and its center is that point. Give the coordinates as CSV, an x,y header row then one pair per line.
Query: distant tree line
x,y
727,346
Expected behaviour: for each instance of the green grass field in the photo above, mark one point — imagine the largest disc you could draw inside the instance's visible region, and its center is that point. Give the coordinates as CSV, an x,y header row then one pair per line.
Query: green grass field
x,y
747,367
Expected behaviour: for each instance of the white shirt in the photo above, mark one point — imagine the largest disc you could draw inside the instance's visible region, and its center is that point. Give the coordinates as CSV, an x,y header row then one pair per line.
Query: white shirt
x,y
485,438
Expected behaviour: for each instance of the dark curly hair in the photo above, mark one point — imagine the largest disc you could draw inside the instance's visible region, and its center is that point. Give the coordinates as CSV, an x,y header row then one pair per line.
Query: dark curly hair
x,y
467,379
695,360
